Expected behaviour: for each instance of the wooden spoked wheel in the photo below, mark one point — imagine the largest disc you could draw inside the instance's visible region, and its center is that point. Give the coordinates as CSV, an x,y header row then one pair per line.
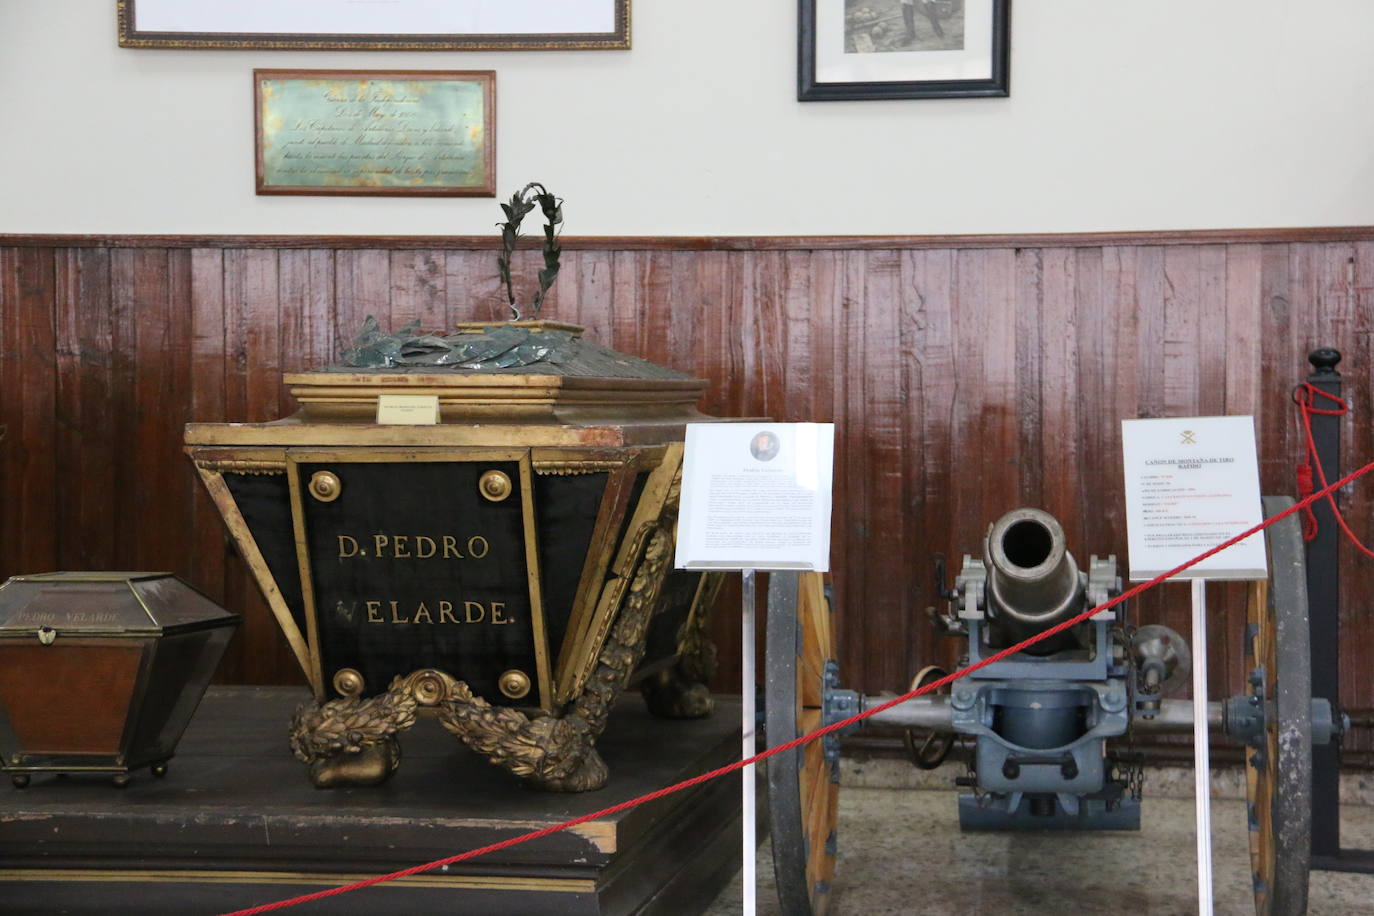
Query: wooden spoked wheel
x,y
1278,766
803,786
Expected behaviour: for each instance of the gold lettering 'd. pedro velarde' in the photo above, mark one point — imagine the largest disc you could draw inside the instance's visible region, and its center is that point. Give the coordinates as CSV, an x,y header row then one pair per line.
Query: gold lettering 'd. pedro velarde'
x,y
388,612
414,547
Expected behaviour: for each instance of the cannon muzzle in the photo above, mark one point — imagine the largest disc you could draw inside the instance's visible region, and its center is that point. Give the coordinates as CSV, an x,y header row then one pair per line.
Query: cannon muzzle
x,y
1033,580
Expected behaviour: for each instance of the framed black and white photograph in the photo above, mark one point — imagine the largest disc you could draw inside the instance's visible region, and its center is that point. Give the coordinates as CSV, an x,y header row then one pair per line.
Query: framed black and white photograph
x,y
398,25
902,49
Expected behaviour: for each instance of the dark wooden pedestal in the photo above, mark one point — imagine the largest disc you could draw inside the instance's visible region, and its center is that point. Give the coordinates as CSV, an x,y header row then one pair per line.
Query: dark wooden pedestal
x,y
236,823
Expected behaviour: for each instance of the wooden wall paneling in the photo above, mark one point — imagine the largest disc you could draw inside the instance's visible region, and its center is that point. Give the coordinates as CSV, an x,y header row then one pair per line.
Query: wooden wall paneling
x,y
1357,503
1244,331
1311,323
305,296
419,290
86,538
686,312
472,289
1240,337
1143,275
155,466
1119,345
594,274
565,298
885,563
1099,356
931,444
1185,395
213,554
10,412
627,301
1030,326
652,328
362,287
1276,371
986,431
126,498
1226,609
38,475
1336,316
711,292
964,381
911,554
1210,348
809,303
180,361
252,326
759,347
1059,456
492,242
1357,438
714,290
28,387
1182,326
853,485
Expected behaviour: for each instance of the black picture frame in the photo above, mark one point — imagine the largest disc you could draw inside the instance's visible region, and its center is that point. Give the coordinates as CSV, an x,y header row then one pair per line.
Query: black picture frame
x,y
998,84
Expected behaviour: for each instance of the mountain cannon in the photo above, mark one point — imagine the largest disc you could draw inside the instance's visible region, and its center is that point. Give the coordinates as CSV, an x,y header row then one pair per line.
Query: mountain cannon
x,y
1051,724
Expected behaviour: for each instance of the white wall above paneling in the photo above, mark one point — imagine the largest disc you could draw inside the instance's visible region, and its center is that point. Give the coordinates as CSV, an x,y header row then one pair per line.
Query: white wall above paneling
x,y
1170,114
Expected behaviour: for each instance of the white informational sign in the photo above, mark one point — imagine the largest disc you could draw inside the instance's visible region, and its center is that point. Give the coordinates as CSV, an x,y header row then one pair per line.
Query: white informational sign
x,y
408,409
1191,484
756,496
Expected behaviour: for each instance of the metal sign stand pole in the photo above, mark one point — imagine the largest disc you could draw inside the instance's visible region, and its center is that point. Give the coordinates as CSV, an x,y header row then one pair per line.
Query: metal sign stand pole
x,y
747,726
1201,751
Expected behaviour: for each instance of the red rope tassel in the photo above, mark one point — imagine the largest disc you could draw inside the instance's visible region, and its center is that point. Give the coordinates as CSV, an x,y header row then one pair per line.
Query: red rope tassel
x,y
1309,520
1305,397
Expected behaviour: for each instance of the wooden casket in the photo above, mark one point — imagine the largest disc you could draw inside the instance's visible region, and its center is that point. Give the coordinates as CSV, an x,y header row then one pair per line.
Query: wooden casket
x,y
507,569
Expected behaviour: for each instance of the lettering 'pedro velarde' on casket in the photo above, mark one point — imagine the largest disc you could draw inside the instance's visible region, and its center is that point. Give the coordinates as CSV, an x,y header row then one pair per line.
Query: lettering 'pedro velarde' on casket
x,y
410,565
438,612
414,546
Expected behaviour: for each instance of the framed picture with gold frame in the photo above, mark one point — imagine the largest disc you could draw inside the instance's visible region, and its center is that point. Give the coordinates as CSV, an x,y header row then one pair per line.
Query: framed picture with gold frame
x,y
376,132
399,25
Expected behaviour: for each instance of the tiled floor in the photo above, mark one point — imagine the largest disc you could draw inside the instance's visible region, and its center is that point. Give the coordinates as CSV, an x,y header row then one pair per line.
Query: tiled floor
x,y
901,851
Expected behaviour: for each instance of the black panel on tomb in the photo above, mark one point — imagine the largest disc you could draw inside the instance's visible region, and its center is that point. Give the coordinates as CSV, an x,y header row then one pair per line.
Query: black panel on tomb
x,y
678,591
567,507
413,568
264,501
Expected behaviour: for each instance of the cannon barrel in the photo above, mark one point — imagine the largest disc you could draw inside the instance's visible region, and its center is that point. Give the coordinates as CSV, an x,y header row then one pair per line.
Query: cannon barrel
x,y
1033,580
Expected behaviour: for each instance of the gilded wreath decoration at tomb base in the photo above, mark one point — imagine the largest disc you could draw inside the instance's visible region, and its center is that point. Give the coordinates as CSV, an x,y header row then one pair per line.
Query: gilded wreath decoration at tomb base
x,y
506,570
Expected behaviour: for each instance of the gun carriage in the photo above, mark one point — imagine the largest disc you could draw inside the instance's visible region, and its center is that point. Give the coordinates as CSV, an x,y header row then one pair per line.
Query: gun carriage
x,y
1048,723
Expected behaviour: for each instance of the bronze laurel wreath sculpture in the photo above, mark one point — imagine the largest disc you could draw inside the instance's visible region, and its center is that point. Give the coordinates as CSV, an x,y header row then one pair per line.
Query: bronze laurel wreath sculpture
x,y
521,203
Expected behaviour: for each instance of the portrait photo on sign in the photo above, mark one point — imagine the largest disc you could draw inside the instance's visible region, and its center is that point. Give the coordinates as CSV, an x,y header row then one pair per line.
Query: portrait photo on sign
x,y
764,446
872,26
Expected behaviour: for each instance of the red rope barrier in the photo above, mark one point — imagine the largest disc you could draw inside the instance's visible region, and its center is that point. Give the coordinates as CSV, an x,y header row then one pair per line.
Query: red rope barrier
x,y
820,732
1305,397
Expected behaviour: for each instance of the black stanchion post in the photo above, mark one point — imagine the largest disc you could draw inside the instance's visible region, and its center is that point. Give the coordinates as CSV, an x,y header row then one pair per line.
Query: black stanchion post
x,y
1323,598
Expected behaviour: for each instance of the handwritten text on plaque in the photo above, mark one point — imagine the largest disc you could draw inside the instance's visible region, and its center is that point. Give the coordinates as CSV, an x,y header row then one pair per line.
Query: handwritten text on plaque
x,y
332,132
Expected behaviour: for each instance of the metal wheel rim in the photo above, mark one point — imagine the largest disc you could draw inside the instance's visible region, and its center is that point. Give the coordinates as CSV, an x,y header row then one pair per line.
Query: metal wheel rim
x,y
803,787
1279,772
927,748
